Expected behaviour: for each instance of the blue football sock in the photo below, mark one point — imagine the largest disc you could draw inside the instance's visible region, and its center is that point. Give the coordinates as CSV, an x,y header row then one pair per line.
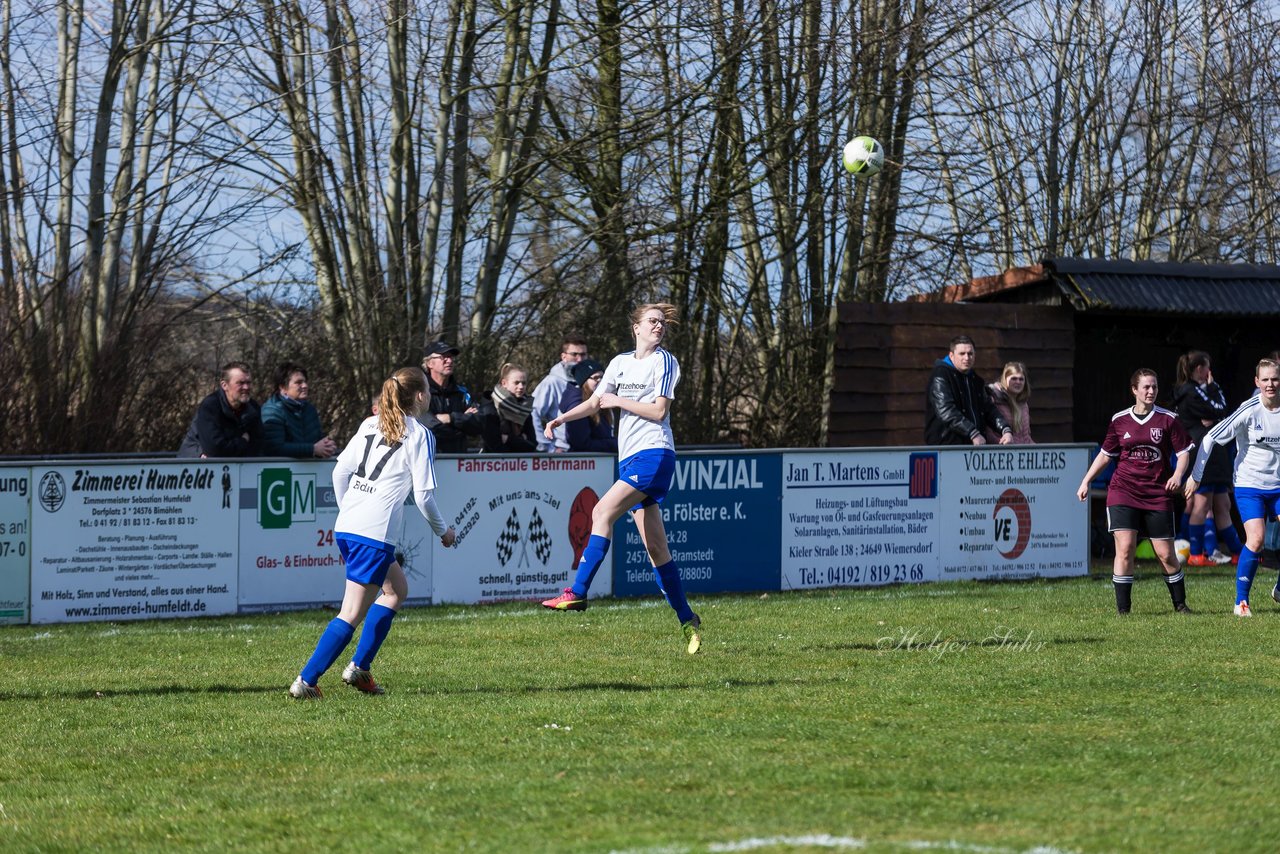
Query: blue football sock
x,y
1184,527
1229,538
331,644
672,588
592,557
376,625
1244,573
1197,538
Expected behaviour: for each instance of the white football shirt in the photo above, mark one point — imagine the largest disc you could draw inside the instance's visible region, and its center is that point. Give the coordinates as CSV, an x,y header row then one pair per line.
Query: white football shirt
x,y
1256,431
644,381
372,479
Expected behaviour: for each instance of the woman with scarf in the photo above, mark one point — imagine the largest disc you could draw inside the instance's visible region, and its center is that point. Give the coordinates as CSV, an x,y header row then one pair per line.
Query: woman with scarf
x,y
506,414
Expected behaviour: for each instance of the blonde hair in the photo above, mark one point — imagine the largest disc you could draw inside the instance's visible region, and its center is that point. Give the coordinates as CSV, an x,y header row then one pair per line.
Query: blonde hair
x,y
1265,363
509,368
1011,368
670,314
1015,409
399,394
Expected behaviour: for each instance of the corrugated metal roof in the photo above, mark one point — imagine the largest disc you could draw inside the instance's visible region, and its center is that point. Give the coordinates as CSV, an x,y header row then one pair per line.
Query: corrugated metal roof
x,y
1221,290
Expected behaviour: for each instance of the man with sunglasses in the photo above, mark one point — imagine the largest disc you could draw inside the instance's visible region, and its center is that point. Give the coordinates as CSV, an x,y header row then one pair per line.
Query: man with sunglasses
x,y
450,417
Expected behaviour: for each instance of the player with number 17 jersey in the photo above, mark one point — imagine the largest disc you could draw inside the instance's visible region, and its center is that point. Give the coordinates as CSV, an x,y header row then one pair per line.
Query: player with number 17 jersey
x,y
378,476
1144,447
389,458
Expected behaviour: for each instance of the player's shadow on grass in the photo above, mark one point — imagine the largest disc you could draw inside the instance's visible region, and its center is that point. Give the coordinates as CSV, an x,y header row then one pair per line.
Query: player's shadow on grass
x,y
631,687
153,691
422,691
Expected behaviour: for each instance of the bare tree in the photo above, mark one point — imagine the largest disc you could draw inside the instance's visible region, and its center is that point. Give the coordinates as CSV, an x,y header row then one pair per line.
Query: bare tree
x,y
107,165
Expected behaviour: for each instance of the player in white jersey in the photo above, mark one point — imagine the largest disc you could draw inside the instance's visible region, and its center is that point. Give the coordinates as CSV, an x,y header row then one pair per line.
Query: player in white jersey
x,y
391,456
641,385
1255,428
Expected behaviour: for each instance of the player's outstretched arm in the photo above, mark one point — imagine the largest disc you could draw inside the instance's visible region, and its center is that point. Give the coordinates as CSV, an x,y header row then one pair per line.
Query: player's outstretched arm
x,y
590,406
654,411
1095,468
1180,470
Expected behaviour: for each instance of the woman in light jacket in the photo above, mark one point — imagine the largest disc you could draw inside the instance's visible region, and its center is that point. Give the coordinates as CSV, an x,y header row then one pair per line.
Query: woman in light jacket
x,y
1010,395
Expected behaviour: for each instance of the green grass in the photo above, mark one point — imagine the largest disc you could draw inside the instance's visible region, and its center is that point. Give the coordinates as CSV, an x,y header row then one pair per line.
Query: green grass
x,y
894,717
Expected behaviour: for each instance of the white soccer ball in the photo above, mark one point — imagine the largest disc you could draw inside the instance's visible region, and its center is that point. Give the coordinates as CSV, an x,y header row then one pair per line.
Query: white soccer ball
x,y
863,155
1182,548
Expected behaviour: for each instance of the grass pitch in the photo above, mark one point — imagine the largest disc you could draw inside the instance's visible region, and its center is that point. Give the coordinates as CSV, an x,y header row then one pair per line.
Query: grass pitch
x,y
957,717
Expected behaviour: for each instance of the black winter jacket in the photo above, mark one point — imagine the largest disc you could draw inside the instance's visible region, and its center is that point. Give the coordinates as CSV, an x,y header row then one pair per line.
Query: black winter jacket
x,y
454,399
957,406
1194,403
219,431
500,435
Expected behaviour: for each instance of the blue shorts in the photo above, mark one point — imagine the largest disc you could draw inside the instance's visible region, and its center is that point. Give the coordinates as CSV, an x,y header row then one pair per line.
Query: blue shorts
x,y
650,472
1213,489
367,560
1256,503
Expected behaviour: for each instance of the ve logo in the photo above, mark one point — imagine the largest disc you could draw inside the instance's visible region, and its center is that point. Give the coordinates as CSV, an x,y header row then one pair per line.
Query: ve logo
x,y
1012,523
285,498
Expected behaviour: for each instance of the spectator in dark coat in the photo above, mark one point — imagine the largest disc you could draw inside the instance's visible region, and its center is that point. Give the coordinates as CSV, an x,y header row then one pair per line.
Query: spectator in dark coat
x,y
507,414
227,423
594,433
290,423
957,406
451,416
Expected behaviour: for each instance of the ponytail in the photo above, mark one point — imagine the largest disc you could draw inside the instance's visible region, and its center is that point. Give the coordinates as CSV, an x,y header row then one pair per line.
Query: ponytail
x,y
1188,362
399,392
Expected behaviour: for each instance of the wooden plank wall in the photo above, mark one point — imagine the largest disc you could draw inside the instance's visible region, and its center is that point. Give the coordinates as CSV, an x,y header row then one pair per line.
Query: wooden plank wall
x,y
886,351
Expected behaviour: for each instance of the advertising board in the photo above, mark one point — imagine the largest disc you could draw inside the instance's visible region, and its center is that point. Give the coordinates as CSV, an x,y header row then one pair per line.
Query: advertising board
x,y
133,541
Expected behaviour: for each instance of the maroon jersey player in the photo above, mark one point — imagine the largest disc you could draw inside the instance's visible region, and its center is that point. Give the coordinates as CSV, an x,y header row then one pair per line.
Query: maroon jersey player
x,y
1151,450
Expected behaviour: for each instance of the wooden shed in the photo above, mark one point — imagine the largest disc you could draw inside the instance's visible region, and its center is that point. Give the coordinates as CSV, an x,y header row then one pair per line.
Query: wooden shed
x,y
1081,327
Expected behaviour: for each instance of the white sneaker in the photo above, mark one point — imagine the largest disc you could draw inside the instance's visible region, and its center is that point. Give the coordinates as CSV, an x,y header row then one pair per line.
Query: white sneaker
x,y
1242,610
361,680
1219,558
300,690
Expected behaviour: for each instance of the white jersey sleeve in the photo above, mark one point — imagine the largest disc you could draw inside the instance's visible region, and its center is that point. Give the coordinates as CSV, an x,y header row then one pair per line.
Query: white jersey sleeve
x,y
644,381
1256,432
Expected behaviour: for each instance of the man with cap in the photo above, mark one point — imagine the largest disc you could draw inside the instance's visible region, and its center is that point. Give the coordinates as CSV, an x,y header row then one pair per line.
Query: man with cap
x,y
547,394
450,416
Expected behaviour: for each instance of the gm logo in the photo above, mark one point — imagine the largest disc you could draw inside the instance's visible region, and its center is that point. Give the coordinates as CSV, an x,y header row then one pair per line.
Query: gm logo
x,y
285,498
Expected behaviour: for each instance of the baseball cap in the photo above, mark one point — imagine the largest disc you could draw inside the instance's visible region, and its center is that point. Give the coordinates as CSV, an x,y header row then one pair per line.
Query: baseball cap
x,y
585,369
441,348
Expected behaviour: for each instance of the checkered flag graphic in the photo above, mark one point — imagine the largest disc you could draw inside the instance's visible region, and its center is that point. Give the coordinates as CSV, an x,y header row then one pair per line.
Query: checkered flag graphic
x,y
508,538
540,538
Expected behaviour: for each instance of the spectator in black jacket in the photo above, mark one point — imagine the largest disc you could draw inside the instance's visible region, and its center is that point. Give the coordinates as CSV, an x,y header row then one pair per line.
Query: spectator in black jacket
x,y
957,405
451,417
594,433
227,423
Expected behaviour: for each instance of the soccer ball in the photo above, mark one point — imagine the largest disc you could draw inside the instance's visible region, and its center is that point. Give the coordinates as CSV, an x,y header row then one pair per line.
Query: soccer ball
x,y
863,155
1182,548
